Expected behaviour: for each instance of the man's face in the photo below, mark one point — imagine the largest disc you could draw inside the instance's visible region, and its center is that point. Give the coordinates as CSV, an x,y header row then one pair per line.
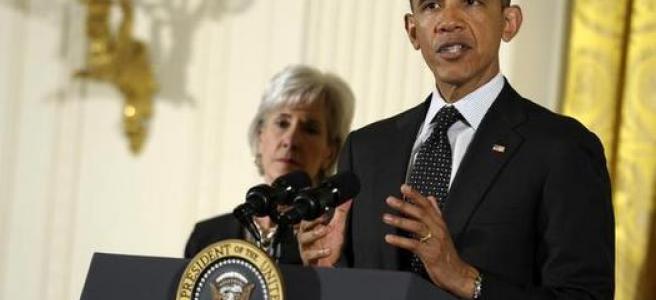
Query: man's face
x,y
459,39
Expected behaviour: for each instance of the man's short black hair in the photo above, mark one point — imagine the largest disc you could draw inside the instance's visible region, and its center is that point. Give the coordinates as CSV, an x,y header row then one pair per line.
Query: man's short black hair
x,y
503,2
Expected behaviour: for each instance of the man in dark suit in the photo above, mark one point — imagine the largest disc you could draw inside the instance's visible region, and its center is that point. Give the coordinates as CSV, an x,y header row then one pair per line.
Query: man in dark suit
x,y
508,200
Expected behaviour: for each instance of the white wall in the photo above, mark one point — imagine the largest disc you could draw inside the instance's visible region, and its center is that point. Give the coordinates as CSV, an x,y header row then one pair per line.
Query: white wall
x,y
70,187
532,61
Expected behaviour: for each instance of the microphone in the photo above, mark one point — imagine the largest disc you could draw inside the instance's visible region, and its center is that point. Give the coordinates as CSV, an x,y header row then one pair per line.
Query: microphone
x,y
310,204
262,200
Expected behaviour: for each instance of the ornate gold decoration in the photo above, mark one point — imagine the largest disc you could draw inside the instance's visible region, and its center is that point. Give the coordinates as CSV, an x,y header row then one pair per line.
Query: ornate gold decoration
x,y
596,90
231,269
121,60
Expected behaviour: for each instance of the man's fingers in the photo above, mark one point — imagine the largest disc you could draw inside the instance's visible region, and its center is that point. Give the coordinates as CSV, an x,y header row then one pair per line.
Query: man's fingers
x,y
344,207
310,236
341,211
309,225
415,197
418,228
433,203
406,208
402,242
311,255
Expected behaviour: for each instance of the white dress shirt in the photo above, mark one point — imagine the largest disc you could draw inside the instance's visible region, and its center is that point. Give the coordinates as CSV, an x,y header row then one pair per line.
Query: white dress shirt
x,y
472,107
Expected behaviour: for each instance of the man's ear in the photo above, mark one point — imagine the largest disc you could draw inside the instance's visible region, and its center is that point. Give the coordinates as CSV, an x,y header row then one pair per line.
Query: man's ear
x,y
512,21
411,29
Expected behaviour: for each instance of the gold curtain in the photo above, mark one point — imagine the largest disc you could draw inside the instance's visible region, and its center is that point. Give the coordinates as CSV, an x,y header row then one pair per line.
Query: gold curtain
x,y
610,86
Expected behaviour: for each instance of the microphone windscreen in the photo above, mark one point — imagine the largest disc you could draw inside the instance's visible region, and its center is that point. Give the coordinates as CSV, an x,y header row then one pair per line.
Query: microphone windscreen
x,y
295,179
346,184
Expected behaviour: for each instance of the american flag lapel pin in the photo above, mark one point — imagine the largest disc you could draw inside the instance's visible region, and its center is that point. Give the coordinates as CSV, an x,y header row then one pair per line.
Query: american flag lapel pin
x,y
499,148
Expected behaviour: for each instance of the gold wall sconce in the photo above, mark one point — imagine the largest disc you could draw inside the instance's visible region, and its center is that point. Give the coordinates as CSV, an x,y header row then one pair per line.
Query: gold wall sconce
x,y
121,60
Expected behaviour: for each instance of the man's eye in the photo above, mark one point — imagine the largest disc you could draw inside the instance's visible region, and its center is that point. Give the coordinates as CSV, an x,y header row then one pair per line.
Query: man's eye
x,y
472,2
430,5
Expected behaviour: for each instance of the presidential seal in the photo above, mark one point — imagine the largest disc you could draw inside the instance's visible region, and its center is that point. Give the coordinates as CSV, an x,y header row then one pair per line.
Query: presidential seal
x,y
231,270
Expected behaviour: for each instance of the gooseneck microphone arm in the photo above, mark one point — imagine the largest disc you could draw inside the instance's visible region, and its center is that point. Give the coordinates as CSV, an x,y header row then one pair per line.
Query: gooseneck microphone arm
x,y
256,204
263,200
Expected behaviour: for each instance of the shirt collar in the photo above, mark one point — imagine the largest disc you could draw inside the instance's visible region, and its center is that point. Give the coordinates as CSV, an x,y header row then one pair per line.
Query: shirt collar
x,y
473,106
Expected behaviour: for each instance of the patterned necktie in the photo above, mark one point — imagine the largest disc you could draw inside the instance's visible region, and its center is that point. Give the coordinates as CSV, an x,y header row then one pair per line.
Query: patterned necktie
x,y
431,171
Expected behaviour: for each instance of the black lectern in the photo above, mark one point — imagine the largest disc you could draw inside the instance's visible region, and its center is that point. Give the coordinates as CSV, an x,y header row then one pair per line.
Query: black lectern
x,y
126,277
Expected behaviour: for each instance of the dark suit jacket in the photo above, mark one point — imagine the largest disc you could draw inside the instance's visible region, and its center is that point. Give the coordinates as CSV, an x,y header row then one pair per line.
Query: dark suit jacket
x,y
536,220
225,227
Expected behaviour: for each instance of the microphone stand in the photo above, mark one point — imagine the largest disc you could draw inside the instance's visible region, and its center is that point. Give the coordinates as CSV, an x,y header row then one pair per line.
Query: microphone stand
x,y
246,220
271,247
281,231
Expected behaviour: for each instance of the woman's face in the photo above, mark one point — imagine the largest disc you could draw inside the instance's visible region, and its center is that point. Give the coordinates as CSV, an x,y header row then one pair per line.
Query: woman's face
x,y
295,138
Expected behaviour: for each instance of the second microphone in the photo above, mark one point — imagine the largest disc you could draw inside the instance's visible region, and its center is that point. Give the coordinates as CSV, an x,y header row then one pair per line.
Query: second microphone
x,y
310,204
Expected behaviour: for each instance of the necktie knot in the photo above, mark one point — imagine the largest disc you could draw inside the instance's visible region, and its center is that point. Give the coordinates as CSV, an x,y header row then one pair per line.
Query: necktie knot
x,y
446,117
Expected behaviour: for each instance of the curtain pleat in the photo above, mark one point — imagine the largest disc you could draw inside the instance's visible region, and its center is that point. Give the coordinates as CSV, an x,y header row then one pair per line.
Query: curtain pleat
x,y
610,86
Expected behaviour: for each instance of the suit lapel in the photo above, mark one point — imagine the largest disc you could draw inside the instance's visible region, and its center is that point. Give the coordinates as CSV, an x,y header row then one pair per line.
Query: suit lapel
x,y
394,172
493,145
408,127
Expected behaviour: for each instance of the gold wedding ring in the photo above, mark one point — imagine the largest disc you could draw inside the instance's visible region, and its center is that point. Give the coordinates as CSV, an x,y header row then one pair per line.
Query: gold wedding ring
x,y
426,237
